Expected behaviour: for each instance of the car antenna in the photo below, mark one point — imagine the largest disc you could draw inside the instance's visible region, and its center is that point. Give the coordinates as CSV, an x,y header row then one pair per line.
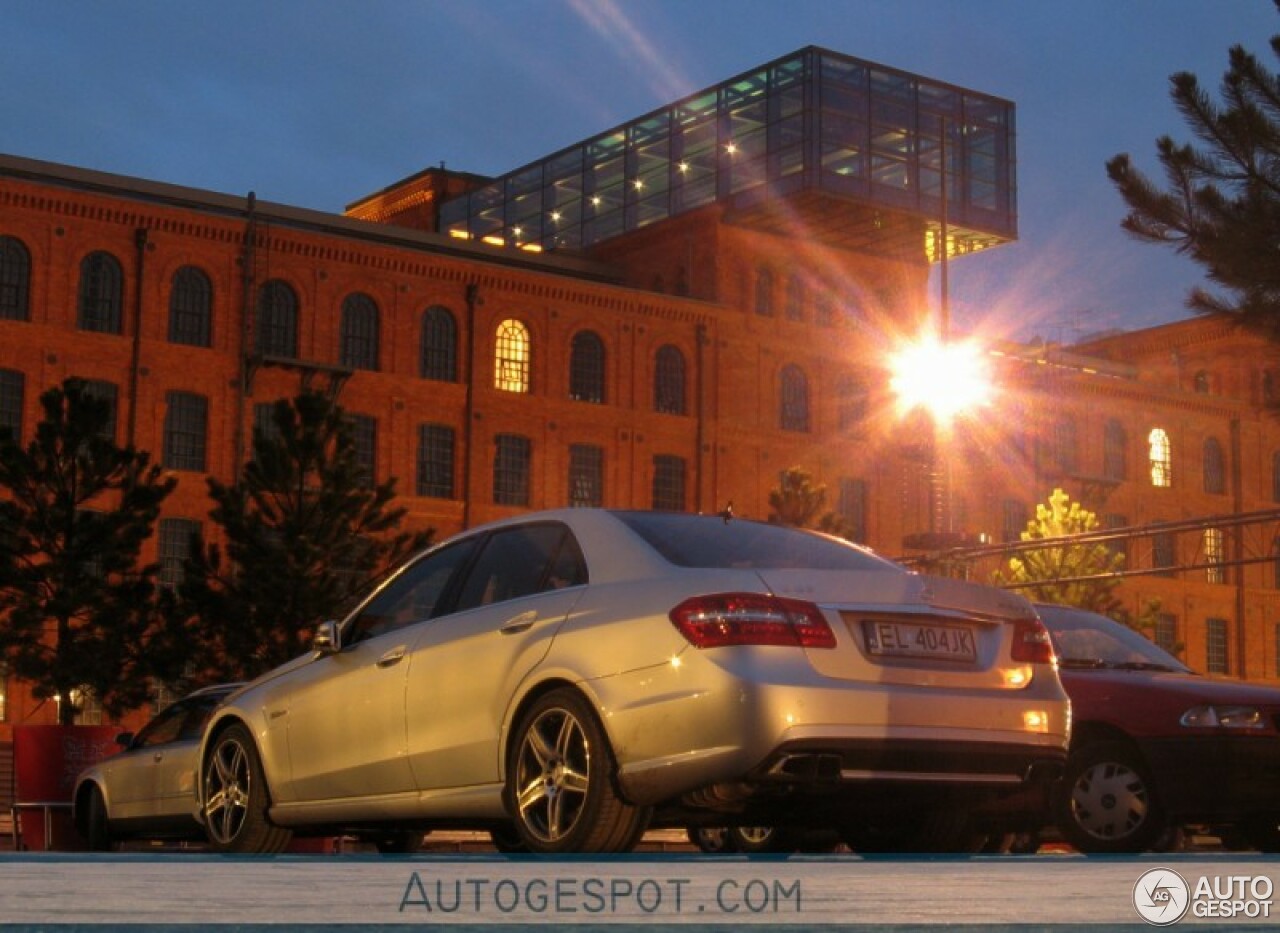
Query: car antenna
x,y
727,513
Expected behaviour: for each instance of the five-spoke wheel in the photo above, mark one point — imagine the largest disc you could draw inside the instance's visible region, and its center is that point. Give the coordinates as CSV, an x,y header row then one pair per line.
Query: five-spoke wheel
x,y
235,797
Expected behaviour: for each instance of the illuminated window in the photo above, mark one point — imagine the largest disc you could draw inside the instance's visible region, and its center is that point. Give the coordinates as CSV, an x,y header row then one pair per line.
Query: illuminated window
x,y
436,444
794,399
1114,456
586,476
511,357
586,368
1160,457
101,293
511,469
1213,555
1215,473
359,338
439,358
277,320
668,381
15,280
190,307
668,483
1217,660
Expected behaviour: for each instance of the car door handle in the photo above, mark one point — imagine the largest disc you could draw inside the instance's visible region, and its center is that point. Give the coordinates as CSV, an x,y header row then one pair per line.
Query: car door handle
x,y
394,656
521,623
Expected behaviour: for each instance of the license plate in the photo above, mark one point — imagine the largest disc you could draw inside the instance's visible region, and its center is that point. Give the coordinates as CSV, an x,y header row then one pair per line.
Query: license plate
x,y
909,640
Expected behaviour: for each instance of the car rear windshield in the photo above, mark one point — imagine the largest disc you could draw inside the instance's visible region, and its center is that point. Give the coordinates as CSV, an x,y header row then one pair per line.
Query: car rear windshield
x,y
712,542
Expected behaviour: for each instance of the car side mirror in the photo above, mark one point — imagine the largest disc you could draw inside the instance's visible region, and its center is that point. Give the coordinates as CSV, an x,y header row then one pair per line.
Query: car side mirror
x,y
326,639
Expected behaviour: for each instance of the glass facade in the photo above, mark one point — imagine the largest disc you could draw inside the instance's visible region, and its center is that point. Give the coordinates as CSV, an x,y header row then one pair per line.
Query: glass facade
x,y
815,121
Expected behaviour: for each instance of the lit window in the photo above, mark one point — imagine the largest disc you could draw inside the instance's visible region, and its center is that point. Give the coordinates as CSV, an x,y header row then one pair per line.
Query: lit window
x,y
511,357
1160,457
1215,473
1213,556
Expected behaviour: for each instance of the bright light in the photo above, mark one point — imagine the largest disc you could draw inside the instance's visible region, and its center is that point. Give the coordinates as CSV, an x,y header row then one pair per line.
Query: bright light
x,y
945,378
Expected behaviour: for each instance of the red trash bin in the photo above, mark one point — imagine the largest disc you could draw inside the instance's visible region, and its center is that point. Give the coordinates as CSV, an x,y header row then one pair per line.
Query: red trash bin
x,y
46,760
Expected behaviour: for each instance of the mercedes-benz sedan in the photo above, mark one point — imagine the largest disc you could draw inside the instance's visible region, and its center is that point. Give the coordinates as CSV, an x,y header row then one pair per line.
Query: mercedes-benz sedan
x,y
576,676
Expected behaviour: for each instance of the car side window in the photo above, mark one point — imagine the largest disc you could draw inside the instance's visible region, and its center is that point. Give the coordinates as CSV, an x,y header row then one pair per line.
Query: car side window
x,y
164,728
198,712
410,597
521,561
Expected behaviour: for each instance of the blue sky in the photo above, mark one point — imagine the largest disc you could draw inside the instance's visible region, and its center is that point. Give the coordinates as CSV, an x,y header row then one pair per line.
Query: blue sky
x,y
319,102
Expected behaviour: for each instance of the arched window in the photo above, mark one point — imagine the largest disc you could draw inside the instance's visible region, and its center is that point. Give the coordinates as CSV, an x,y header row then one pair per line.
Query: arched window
x,y
851,397
795,298
1114,441
764,292
586,368
511,357
15,280
1215,472
668,381
359,348
190,307
101,293
1160,456
277,320
439,358
794,399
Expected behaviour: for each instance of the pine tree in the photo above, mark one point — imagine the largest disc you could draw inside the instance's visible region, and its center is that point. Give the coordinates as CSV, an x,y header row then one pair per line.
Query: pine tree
x,y
1044,575
304,532
77,612
1221,203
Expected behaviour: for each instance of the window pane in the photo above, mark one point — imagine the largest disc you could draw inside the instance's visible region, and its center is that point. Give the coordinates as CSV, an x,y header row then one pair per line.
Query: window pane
x,y
586,368
1160,458
359,333
364,434
277,320
669,381
1217,660
794,400
190,307
511,470
101,293
586,476
15,280
12,386
109,393
176,538
185,423
439,345
1215,474
511,357
668,483
435,461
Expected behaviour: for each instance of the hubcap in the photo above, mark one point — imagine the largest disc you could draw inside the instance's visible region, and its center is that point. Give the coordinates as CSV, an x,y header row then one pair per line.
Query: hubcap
x,y
553,772
1109,801
226,789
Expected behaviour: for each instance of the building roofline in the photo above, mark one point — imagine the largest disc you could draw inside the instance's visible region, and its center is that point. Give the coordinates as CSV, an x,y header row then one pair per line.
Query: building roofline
x,y
301,218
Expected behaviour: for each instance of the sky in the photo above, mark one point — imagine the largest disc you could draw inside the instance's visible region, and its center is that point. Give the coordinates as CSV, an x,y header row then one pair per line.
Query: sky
x,y
317,103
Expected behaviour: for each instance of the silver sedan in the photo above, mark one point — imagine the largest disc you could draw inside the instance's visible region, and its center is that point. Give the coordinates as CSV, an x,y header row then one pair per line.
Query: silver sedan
x,y
569,678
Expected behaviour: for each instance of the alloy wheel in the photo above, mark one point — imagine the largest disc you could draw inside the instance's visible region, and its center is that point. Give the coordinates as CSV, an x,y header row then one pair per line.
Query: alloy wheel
x,y
553,775
227,785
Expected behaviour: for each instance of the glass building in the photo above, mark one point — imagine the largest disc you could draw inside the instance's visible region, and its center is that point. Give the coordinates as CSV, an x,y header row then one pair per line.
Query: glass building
x,y
816,128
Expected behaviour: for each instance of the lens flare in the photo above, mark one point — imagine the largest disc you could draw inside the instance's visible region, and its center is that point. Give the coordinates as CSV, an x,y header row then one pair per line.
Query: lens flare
x,y
947,379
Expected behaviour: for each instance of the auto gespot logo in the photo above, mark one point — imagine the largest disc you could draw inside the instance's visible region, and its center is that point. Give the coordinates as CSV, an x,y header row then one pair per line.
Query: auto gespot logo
x,y
1162,896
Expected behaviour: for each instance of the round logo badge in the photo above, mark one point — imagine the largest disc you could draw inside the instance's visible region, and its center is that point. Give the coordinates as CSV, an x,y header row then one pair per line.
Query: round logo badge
x,y
1161,896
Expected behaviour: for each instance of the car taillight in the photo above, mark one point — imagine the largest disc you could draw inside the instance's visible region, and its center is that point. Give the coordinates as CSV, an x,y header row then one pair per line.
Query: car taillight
x,y
751,619
1031,643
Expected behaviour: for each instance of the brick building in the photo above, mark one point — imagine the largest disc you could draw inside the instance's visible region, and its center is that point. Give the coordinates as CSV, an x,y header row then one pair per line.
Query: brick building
x,y
666,315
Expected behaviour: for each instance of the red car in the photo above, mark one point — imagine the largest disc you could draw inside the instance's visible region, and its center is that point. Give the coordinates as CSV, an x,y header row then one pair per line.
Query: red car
x,y
1155,746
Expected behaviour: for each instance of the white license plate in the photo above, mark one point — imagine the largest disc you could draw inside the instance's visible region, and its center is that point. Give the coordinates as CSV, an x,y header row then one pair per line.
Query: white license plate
x,y
909,640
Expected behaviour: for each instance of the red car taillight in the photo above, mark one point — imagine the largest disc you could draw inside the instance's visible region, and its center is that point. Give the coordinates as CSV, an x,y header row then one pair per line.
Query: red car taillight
x,y
1031,643
751,619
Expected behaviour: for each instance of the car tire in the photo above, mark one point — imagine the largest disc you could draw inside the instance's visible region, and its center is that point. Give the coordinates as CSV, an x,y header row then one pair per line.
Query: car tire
x,y
507,840
560,781
713,840
236,797
398,842
1106,802
97,827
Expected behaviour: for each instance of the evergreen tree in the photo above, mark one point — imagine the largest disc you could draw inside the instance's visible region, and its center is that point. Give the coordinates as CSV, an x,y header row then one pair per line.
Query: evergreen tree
x,y
1221,203
305,533
799,502
77,612
1045,574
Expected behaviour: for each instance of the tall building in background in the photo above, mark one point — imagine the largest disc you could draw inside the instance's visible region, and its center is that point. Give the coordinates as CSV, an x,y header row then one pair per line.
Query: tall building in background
x,y
666,315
